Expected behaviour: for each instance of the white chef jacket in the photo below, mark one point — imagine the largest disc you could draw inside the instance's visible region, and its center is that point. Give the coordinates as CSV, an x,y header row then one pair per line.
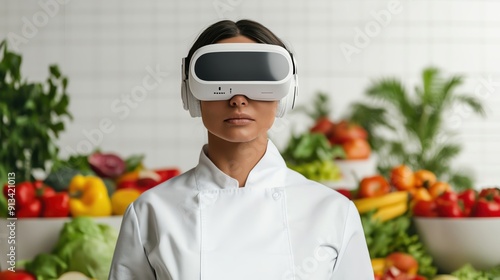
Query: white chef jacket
x,y
202,225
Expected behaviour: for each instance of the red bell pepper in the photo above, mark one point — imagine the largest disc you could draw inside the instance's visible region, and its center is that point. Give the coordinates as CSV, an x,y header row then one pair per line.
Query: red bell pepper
x,y
425,208
468,200
141,185
56,205
27,203
34,199
30,210
448,206
487,208
491,194
23,192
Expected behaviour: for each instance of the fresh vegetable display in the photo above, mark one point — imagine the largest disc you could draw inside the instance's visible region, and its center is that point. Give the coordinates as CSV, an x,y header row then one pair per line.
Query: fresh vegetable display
x,y
467,203
84,185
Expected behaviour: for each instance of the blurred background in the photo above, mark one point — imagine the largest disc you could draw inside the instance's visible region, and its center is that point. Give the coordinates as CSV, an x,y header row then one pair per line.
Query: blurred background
x,y
107,49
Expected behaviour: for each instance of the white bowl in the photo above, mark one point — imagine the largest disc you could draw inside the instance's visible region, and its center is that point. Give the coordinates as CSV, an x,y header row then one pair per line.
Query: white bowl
x,y
37,235
455,242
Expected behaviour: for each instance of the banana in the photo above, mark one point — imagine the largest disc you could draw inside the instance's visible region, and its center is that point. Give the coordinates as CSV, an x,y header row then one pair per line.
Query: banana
x,y
367,204
390,212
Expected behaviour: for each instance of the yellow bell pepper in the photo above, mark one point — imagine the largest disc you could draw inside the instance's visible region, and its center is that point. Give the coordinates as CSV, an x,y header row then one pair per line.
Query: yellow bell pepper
x,y
121,199
378,265
93,197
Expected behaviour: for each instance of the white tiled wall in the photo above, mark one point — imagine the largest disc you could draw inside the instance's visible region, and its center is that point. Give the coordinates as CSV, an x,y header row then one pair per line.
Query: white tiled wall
x,y
106,47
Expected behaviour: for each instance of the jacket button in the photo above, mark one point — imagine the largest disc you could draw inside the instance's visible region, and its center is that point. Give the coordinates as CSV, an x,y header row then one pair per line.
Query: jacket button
x,y
276,195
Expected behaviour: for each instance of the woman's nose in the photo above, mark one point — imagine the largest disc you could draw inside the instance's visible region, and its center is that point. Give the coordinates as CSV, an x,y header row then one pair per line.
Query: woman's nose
x,y
238,100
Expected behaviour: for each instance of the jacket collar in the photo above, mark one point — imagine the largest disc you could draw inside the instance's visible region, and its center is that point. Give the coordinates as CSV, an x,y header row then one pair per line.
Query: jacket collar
x,y
269,172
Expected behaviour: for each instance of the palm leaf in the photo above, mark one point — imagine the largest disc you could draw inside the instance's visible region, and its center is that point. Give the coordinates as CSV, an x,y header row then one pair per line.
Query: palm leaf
x,y
446,93
391,91
429,86
369,117
440,157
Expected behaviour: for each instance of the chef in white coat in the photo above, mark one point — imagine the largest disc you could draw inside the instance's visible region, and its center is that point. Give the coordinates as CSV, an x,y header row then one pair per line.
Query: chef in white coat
x,y
240,214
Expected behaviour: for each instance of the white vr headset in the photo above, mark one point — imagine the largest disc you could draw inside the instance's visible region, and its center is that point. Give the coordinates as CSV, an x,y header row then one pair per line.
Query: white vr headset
x,y
258,71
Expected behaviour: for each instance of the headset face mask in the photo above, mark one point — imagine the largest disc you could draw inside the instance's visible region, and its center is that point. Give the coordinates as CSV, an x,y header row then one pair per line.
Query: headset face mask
x,y
258,71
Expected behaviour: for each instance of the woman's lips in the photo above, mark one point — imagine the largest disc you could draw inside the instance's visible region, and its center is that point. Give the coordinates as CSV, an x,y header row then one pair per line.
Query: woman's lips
x,y
239,119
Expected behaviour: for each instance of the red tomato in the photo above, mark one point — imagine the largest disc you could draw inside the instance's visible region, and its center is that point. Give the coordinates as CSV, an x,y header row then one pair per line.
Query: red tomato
x,y
344,132
324,126
357,149
373,186
424,208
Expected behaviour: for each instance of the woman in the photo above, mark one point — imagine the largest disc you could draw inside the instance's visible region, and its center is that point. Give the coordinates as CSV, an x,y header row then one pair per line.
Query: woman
x,y
240,213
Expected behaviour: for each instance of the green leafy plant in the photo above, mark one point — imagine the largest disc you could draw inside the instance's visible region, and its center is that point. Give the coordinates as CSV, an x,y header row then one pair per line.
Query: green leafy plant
x,y
411,128
396,235
320,107
32,116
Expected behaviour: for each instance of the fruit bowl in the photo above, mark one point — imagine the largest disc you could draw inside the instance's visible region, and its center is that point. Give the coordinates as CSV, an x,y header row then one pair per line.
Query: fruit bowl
x,y
454,242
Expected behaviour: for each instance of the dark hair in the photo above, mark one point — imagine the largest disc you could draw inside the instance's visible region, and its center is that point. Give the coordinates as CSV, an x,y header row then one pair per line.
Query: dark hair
x,y
228,29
